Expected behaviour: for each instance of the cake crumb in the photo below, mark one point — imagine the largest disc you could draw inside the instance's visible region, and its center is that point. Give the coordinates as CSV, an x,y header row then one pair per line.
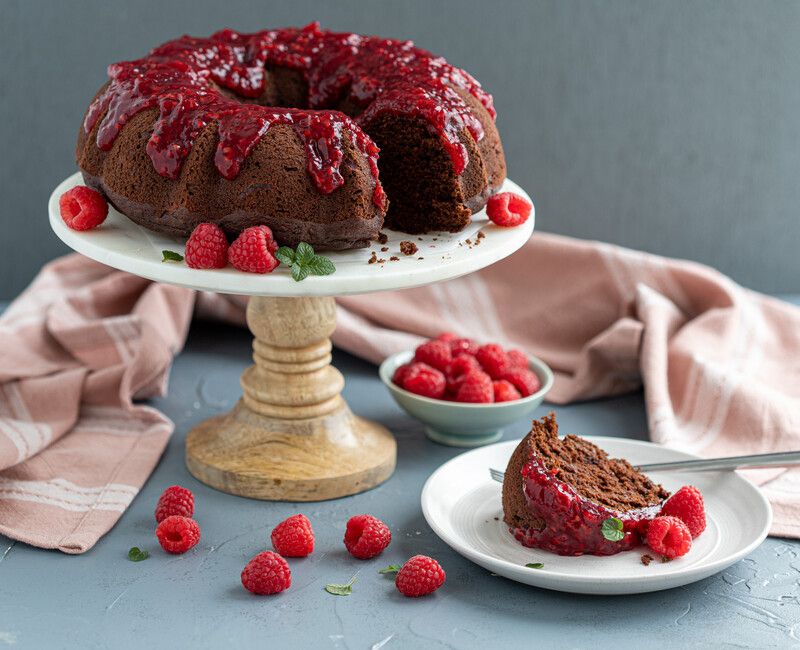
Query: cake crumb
x,y
373,258
382,238
665,559
420,258
381,260
384,249
469,242
480,234
497,518
394,258
408,247
647,559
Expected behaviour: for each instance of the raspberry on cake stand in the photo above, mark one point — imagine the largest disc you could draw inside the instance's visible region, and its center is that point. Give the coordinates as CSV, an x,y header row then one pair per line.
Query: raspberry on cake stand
x,y
291,436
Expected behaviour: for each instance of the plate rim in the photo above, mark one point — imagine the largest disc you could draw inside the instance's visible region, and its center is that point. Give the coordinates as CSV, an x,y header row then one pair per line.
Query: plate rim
x,y
475,555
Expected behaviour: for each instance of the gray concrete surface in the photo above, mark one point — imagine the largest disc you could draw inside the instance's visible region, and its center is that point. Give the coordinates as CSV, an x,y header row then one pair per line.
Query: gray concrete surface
x,y
101,600
671,127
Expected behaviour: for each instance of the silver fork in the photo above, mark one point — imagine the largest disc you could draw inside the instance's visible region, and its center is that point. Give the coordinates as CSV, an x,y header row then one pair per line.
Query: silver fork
x,y
752,461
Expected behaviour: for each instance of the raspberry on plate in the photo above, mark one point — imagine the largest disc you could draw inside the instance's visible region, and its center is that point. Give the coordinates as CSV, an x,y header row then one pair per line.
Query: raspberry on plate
x,y
267,573
175,500
207,247
420,576
178,534
447,337
436,354
669,536
463,346
421,379
476,387
524,380
517,358
254,251
458,370
366,536
399,376
82,208
687,505
508,209
293,537
504,391
493,360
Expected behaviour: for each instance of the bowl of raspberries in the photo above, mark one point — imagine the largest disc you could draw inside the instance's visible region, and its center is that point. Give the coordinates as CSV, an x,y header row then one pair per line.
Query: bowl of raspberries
x,y
463,391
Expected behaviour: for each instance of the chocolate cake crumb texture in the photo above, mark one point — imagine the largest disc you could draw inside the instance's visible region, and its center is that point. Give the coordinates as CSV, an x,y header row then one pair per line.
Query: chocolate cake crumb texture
x,y
408,247
647,559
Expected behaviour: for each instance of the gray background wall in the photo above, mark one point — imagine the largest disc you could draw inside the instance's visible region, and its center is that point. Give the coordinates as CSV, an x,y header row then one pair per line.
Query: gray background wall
x,y
672,127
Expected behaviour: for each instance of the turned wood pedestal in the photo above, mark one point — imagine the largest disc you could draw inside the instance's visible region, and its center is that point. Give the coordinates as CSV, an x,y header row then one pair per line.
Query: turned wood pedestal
x,y
291,437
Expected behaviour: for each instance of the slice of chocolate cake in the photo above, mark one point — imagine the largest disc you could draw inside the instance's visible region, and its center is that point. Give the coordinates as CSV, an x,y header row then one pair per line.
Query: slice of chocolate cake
x,y
558,492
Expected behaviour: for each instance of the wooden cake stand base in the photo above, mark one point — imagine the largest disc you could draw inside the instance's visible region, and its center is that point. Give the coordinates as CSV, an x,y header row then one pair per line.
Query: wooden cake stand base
x,y
291,437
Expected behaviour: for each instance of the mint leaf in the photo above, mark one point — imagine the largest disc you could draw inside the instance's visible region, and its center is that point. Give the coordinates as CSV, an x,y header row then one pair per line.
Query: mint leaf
x,y
341,590
304,253
299,272
535,565
320,265
612,529
285,255
171,256
392,568
137,555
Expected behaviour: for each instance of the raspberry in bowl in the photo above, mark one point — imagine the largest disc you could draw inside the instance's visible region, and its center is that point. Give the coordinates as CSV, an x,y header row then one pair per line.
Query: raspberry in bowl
x,y
465,392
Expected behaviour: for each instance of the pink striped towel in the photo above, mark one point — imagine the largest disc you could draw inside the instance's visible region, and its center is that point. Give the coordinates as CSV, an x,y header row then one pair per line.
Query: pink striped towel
x,y
719,364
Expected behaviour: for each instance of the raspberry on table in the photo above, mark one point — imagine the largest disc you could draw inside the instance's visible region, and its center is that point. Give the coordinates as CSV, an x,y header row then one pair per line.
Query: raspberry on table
x,y
422,379
267,573
293,537
687,505
463,346
178,534
504,391
254,251
669,536
517,358
435,353
175,500
420,576
207,247
493,360
524,380
458,370
508,209
82,208
366,536
476,387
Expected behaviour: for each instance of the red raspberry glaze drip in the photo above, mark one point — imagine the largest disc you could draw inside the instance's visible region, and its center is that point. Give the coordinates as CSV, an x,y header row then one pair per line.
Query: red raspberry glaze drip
x,y
572,523
183,79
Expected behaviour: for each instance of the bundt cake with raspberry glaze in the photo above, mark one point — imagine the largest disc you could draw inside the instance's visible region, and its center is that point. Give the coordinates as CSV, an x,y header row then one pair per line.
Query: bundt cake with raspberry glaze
x,y
557,493
284,128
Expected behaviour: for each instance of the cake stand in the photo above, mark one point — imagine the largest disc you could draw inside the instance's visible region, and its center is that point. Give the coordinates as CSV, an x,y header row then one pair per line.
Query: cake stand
x,y
291,436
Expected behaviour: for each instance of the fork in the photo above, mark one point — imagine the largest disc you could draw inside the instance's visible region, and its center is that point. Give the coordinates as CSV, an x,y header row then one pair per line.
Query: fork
x,y
752,461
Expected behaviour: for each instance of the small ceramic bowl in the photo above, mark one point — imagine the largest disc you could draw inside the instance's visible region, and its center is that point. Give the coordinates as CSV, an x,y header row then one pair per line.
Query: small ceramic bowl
x,y
458,424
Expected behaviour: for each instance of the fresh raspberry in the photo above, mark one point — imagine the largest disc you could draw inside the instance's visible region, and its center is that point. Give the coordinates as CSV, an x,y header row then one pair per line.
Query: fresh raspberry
x,y
508,209
447,337
524,380
175,500
254,251
178,534
421,379
669,536
463,346
420,576
293,537
458,370
435,353
504,391
366,536
266,573
517,359
207,247
399,376
82,208
476,387
687,505
493,360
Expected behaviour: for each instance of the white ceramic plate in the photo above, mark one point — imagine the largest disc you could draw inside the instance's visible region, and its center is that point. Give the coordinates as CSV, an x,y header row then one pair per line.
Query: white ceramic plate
x,y
120,243
460,502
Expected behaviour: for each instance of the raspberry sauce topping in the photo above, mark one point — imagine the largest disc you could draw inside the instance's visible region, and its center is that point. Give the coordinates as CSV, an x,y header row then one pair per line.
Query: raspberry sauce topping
x,y
572,523
184,80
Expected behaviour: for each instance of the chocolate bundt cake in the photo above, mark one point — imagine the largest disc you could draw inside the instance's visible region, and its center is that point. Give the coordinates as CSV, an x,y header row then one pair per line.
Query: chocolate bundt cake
x,y
193,132
558,492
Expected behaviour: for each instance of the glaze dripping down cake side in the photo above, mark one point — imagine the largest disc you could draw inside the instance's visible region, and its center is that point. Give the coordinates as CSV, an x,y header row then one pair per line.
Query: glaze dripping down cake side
x,y
196,131
558,491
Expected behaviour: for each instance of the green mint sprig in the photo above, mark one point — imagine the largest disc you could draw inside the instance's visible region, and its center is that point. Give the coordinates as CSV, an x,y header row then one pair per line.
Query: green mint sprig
x,y
341,590
137,555
392,568
612,529
303,261
535,565
171,256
